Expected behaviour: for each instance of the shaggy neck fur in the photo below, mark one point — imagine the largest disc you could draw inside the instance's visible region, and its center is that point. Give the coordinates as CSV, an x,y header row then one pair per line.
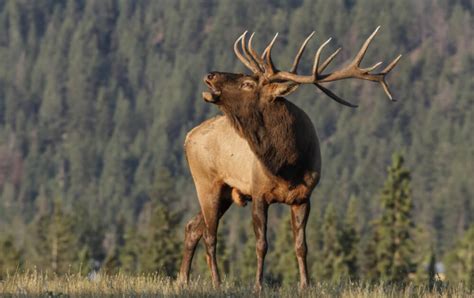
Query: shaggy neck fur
x,y
271,133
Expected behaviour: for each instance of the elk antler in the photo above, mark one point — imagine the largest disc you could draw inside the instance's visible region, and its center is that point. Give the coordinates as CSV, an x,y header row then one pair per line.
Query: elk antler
x,y
266,68
252,60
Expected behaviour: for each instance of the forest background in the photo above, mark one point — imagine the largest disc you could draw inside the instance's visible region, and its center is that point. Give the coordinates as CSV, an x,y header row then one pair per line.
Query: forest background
x,y
96,98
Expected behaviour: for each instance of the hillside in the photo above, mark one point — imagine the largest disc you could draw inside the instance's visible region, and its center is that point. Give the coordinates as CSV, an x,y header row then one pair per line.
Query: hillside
x,y
96,98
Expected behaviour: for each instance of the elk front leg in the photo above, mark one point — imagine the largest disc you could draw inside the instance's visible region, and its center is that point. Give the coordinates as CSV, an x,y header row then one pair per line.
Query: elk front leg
x,y
210,237
259,216
192,234
299,217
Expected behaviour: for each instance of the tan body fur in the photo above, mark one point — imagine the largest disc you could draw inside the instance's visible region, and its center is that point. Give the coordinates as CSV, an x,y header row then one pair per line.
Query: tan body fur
x,y
218,156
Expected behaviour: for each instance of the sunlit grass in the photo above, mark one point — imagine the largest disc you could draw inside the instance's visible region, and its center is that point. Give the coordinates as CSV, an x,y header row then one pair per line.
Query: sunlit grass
x,y
44,284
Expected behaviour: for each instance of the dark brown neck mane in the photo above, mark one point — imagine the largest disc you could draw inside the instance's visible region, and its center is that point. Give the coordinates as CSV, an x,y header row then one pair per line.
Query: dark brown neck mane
x,y
270,130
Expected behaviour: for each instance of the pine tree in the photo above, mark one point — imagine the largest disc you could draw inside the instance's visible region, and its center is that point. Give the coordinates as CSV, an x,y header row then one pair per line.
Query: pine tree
x,y
426,273
200,268
158,242
223,253
112,244
63,241
10,256
57,244
315,242
460,260
349,240
331,258
246,263
111,263
395,248
431,270
369,270
153,246
128,254
284,268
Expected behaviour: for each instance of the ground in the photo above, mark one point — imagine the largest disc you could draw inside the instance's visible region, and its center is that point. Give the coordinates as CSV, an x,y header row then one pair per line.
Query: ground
x,y
42,284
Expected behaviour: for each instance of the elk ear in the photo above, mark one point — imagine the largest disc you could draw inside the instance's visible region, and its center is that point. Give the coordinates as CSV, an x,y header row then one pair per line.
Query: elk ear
x,y
281,89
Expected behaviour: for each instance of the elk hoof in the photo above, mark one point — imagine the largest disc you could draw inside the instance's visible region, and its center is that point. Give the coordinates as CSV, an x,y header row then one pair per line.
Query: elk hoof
x,y
303,286
258,288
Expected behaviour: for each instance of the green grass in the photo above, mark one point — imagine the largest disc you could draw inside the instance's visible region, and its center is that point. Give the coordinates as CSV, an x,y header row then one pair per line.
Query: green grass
x,y
43,284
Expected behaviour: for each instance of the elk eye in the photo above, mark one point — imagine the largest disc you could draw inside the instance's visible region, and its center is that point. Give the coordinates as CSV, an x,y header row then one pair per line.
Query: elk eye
x,y
247,85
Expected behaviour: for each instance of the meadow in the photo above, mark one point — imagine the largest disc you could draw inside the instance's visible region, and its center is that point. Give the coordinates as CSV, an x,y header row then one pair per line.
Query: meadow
x,y
35,283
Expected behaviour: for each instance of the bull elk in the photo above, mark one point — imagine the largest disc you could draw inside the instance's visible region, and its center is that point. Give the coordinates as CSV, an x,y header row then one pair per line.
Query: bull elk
x,y
264,149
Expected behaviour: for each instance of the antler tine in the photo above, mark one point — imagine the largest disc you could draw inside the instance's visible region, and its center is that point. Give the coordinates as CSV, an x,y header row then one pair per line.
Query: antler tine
x,y
329,60
365,46
254,54
391,65
317,57
334,96
369,69
267,54
248,55
387,90
270,45
384,72
300,53
241,57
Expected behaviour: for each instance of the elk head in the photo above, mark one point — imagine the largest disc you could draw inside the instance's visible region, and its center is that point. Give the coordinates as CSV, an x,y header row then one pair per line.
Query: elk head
x,y
228,88
268,83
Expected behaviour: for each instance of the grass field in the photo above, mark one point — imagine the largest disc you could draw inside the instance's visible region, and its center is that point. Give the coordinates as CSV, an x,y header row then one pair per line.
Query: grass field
x,y
42,284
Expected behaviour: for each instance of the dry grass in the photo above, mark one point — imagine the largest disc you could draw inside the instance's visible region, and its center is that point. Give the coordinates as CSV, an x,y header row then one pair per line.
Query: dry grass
x,y
42,284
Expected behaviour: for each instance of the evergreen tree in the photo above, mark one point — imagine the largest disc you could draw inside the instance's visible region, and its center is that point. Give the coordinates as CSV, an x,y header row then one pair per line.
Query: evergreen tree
x,y
331,257
158,244
284,268
369,269
112,244
200,267
349,240
426,274
57,244
246,262
10,256
223,252
460,260
431,270
154,246
111,263
395,250
63,241
128,254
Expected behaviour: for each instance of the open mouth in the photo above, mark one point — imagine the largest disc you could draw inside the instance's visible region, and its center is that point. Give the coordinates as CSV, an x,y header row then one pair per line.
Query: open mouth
x,y
212,96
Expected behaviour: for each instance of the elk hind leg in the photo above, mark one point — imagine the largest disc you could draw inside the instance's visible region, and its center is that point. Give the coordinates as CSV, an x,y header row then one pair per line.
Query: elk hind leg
x,y
194,231
192,234
259,217
299,218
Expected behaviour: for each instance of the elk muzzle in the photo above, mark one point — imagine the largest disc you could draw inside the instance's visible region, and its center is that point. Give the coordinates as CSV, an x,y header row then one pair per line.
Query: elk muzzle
x,y
214,95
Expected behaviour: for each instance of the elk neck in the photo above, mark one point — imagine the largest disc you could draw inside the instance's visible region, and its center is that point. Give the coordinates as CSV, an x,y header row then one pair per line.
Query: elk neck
x,y
271,132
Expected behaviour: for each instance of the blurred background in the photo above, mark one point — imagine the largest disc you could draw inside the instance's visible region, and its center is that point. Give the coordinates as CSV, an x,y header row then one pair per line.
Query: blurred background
x,y
96,98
